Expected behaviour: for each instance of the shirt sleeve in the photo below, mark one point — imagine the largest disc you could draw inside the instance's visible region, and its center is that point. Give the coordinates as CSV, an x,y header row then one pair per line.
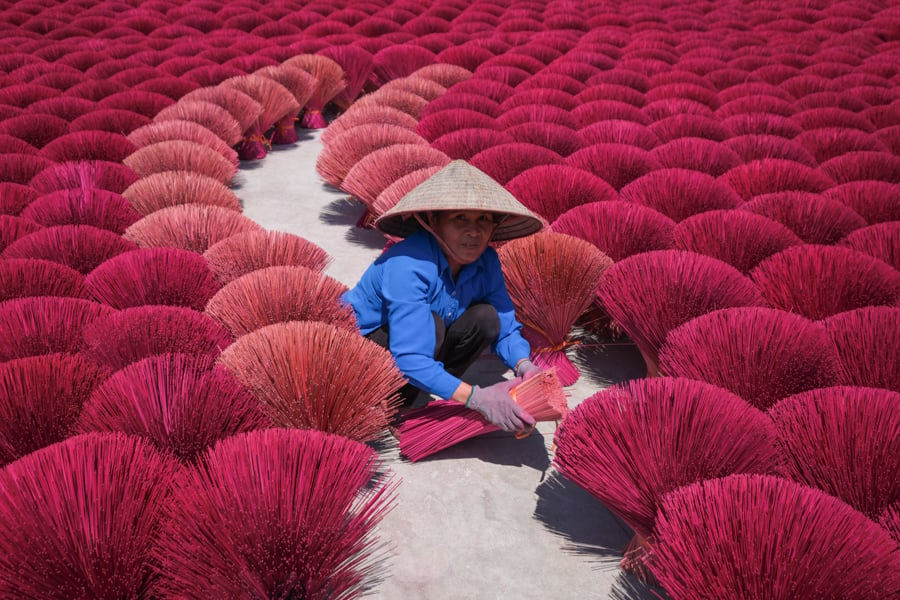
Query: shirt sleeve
x,y
510,346
406,286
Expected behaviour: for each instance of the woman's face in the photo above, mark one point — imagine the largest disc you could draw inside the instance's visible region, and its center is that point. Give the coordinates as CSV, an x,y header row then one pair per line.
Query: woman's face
x,y
466,232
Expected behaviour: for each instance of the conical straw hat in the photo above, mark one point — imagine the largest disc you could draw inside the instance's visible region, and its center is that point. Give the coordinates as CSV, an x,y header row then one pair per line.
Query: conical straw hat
x,y
460,186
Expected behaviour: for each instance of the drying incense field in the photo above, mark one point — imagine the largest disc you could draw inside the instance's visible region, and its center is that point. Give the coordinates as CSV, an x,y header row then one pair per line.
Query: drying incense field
x,y
188,411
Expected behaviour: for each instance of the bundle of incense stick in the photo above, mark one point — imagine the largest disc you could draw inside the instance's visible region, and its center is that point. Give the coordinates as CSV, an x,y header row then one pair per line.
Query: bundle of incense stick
x,y
443,423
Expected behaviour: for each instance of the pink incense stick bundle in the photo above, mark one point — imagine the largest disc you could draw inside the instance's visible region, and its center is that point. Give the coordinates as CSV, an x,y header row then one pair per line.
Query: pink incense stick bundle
x,y
444,423
445,74
102,174
330,82
81,247
14,228
89,145
26,277
755,536
890,520
80,517
181,155
77,206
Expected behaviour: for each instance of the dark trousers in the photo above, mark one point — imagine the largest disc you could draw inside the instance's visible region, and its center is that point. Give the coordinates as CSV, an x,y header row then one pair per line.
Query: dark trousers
x,y
456,346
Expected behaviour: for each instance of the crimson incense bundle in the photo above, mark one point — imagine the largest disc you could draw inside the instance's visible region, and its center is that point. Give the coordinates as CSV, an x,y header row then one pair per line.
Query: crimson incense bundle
x,y
276,513
444,423
881,241
13,228
505,161
551,190
81,247
167,276
80,518
25,277
40,399
814,218
89,145
844,441
697,154
760,536
99,208
469,141
179,403
103,174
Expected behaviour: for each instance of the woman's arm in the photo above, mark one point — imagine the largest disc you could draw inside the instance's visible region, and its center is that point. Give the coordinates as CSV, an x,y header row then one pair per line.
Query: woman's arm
x,y
407,287
462,393
510,346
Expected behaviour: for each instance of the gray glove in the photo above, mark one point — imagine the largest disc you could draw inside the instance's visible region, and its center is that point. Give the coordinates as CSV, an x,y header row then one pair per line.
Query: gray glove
x,y
497,406
527,370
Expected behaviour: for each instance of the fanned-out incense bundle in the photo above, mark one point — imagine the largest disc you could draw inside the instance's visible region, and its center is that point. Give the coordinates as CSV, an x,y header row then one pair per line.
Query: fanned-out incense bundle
x,y
330,82
444,423
552,280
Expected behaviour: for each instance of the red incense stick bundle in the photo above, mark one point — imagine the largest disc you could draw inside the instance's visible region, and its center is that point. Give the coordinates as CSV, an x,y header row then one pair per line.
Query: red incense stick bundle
x,y
444,423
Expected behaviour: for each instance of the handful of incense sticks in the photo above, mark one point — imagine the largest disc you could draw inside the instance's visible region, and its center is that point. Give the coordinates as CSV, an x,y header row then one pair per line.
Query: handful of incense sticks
x,y
443,423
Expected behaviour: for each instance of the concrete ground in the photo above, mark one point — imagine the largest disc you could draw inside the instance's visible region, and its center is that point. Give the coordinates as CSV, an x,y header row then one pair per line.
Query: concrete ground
x,y
490,517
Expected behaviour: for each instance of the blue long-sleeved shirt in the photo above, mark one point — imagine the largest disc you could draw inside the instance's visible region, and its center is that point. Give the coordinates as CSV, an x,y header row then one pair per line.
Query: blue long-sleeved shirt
x,y
411,280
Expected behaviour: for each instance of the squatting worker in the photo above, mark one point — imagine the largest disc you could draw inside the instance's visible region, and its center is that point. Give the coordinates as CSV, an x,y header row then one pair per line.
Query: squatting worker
x,y
437,299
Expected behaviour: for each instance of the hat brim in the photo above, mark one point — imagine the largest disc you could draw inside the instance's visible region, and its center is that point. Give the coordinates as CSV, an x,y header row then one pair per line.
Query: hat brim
x,y
460,186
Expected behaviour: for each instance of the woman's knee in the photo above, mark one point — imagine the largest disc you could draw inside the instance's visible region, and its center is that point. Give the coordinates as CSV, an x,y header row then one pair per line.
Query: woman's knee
x,y
485,315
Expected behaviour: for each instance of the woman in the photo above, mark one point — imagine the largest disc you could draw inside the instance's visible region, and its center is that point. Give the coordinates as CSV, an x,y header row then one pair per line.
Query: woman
x,y
437,299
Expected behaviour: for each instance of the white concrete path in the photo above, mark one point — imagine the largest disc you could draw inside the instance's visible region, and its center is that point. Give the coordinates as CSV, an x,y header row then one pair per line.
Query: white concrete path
x,y
487,518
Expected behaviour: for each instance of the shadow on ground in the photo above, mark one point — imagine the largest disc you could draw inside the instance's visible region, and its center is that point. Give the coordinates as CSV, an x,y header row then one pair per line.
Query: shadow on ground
x,y
605,362
346,212
590,530
628,587
500,449
588,527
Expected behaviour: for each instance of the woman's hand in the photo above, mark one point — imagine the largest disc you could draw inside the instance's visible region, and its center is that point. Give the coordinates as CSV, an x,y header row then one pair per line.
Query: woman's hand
x,y
527,370
497,406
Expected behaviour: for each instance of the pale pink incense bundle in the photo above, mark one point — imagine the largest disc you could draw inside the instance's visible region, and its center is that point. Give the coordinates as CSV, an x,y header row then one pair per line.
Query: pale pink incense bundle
x,y
542,396
444,423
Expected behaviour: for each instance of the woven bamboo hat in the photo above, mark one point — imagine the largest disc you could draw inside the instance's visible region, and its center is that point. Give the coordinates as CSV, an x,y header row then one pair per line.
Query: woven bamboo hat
x,y
460,186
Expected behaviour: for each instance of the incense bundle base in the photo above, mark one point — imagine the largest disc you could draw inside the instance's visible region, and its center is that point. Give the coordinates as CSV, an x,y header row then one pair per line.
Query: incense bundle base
x,y
254,146
313,119
635,559
285,132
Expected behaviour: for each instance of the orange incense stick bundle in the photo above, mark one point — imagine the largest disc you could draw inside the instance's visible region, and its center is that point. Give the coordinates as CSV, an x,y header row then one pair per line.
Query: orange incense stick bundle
x,y
542,396
444,423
